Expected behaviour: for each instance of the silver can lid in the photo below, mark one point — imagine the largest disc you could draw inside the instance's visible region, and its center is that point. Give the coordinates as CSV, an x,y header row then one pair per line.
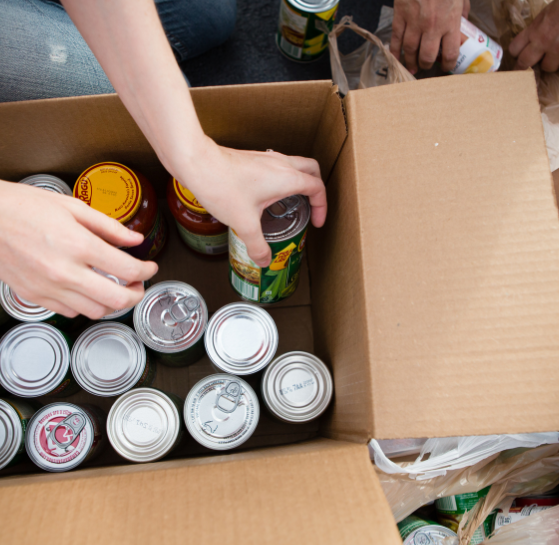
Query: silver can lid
x,y
34,359
143,425
171,317
48,182
433,534
117,313
108,359
286,218
314,6
19,308
221,411
11,433
297,387
241,338
59,437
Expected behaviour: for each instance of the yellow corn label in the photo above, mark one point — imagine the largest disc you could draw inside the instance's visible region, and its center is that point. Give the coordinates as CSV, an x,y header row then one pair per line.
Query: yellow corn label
x,y
327,15
281,259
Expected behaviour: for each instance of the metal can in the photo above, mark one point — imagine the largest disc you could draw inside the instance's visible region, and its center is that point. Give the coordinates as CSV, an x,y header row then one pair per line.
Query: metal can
x,y
48,182
284,225
171,320
14,419
297,387
500,518
417,531
35,361
109,359
478,52
145,425
303,28
62,436
241,339
221,411
549,499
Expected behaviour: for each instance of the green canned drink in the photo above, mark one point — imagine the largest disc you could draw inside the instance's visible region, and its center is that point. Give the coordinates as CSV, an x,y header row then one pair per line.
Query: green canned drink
x,y
284,225
303,27
417,531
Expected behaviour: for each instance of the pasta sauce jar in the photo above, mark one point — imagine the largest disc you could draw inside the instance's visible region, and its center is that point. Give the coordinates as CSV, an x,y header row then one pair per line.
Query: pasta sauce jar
x,y
127,196
199,230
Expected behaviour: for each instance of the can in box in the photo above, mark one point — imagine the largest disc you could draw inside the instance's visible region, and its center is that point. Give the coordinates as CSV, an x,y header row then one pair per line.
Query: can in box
x,y
417,531
14,419
49,183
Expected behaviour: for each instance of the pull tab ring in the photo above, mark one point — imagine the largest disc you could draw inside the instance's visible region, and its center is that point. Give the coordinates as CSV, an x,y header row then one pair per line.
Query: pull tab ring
x,y
76,422
289,203
231,392
187,307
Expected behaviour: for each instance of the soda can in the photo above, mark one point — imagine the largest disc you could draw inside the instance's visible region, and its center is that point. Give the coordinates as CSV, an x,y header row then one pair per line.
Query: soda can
x,y
62,436
297,387
284,225
35,361
241,339
14,419
171,321
221,411
304,26
109,359
145,425
48,182
417,531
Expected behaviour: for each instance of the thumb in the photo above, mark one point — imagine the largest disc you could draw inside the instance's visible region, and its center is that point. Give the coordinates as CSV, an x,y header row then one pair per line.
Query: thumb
x,y
257,247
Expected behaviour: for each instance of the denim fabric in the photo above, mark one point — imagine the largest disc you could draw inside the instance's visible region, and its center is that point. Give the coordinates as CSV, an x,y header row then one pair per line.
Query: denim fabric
x,y
42,53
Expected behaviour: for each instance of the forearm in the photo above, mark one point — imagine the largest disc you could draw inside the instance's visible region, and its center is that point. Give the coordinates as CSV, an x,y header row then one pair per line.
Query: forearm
x,y
128,40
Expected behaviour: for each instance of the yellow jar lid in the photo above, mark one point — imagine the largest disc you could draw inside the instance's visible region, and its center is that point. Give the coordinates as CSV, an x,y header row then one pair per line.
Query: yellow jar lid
x,y
187,198
110,188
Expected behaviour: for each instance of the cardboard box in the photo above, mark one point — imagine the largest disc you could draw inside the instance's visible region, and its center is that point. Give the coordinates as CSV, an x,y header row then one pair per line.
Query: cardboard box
x,y
433,296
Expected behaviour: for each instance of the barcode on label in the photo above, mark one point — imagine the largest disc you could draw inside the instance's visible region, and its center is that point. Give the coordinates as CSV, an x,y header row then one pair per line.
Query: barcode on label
x,y
446,504
290,49
246,290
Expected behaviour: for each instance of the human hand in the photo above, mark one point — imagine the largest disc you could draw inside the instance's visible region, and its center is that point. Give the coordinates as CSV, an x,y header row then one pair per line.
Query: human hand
x,y
49,244
539,41
421,26
236,186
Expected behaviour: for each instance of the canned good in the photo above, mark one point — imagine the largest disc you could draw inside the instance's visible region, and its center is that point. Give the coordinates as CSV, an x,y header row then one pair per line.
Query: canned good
x,y
109,359
35,361
284,225
171,320
303,28
199,230
145,424
62,436
48,182
550,499
221,411
241,338
478,52
14,419
451,510
297,387
500,518
127,196
417,531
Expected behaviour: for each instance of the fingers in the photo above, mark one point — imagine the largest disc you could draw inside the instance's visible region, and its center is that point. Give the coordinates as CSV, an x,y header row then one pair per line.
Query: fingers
x,y
257,247
411,42
450,50
57,307
428,50
519,43
304,164
397,40
528,57
83,304
466,9
550,62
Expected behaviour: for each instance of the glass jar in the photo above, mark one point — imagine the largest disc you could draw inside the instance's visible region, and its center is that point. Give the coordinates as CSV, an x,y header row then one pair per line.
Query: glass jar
x,y
199,230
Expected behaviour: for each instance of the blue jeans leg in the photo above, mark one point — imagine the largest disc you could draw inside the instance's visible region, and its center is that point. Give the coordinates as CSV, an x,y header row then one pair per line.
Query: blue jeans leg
x,y
42,54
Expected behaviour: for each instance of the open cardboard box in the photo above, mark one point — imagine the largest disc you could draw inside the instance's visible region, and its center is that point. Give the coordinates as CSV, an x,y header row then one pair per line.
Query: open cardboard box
x,y
435,301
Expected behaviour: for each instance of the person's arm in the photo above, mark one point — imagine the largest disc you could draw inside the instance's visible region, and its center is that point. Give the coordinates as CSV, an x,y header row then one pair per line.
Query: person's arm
x,y
235,186
539,42
423,28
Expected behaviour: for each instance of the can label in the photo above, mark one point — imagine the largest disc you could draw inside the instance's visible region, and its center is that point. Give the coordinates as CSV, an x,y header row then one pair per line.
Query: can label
x,y
153,242
270,284
25,410
149,374
478,52
205,244
301,35
498,519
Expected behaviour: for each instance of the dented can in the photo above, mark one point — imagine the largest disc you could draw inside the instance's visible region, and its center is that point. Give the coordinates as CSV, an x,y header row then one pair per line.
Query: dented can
x,y
221,411
284,225
48,182
62,436
417,531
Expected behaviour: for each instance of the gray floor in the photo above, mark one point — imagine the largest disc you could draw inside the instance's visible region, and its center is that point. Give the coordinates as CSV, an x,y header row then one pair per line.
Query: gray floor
x,y
251,55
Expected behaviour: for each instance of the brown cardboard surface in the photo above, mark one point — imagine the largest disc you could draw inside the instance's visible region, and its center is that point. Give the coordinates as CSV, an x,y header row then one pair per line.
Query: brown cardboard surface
x,y
460,249
319,492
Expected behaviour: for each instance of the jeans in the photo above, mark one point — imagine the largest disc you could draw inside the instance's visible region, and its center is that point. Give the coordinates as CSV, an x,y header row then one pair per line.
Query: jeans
x,y
42,53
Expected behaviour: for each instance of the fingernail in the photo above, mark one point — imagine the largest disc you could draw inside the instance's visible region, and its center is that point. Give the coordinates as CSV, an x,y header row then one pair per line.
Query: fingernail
x,y
412,71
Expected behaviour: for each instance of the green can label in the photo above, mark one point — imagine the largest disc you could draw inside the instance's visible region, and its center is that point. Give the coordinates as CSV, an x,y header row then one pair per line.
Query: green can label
x,y
273,283
301,35
149,374
204,244
25,409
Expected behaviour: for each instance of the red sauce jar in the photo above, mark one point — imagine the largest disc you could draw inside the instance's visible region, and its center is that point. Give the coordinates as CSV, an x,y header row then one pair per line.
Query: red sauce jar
x,y
127,196
199,230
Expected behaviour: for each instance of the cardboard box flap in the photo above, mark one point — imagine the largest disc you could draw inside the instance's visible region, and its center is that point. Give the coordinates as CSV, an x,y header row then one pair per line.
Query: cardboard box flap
x,y
318,492
460,242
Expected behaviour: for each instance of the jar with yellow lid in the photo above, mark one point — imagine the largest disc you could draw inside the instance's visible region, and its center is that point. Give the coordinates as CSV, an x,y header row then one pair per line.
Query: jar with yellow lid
x,y
199,230
127,196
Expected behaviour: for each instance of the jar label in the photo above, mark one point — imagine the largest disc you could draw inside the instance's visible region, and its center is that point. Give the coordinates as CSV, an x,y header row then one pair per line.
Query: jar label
x,y
110,188
209,245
